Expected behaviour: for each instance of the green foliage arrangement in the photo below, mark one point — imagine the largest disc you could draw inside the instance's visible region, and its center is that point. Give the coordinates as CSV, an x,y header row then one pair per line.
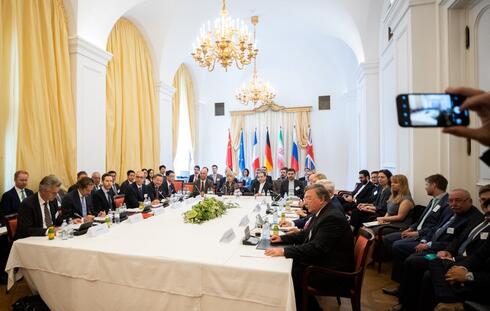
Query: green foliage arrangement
x,y
207,209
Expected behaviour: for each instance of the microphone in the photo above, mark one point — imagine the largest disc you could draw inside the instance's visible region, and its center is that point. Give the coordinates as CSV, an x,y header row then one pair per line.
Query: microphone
x,y
275,196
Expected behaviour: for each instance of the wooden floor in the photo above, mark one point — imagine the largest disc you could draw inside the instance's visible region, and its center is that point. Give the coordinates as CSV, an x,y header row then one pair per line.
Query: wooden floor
x,y
372,297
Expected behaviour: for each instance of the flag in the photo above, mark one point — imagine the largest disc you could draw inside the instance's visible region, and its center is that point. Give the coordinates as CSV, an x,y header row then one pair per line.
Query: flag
x,y
310,155
241,155
268,152
255,154
294,152
280,151
229,160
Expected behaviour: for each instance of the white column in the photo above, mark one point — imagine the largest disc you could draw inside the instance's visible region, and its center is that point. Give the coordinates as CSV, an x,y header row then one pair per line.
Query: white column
x,y
165,93
88,69
368,91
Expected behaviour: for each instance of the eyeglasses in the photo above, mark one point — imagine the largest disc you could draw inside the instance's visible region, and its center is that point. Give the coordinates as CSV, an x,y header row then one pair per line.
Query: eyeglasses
x,y
457,200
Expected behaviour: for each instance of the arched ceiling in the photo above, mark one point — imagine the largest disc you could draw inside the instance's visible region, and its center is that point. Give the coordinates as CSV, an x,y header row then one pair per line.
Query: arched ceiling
x,y
171,26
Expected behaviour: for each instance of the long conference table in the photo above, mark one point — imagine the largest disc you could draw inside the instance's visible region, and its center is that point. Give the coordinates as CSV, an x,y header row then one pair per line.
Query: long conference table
x,y
159,263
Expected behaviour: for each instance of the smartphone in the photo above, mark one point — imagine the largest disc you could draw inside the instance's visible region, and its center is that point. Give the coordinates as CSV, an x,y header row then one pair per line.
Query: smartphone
x,y
431,110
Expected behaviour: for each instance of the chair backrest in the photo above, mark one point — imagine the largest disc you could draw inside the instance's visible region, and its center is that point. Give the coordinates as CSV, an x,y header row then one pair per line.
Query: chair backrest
x,y
119,200
178,185
416,212
11,224
362,247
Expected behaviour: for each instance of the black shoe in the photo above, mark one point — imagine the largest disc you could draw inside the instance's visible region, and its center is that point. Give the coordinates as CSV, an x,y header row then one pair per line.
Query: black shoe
x,y
393,291
398,307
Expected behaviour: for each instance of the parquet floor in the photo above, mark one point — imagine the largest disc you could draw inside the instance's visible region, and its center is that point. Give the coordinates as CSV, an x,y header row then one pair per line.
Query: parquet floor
x,y
372,297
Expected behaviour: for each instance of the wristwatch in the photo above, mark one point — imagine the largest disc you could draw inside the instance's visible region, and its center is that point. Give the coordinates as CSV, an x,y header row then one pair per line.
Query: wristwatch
x,y
469,277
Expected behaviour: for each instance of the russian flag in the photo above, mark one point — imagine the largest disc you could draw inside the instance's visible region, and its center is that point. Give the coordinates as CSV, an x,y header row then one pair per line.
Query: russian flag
x,y
294,153
255,154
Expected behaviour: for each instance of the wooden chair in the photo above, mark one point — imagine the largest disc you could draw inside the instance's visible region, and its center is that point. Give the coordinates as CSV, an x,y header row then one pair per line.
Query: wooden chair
x,y
178,185
119,200
11,224
361,251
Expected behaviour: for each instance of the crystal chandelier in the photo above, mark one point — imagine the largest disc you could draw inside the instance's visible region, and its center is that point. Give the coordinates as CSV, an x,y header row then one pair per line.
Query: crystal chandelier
x,y
227,42
255,91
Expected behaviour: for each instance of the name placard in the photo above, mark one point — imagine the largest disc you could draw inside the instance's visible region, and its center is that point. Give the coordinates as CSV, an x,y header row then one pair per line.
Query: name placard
x,y
135,218
97,230
228,236
244,222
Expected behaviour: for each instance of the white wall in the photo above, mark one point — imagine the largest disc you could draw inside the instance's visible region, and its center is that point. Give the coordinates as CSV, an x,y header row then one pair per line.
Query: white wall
x,y
330,70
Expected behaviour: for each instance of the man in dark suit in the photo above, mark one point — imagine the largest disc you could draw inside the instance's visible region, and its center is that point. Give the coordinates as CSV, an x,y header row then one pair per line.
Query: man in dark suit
x,y
215,177
261,186
130,180
137,191
80,175
156,186
40,211
78,204
463,274
168,184
327,242
292,186
363,192
197,171
11,199
403,243
415,265
203,184
103,198
306,178
97,181
115,186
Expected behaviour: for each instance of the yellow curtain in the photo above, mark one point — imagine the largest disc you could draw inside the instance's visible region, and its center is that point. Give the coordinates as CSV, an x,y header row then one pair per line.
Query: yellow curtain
x,y
6,32
46,140
133,140
183,79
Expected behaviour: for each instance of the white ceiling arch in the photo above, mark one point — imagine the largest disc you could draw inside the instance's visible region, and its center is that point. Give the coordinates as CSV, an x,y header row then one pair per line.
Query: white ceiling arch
x,y
170,26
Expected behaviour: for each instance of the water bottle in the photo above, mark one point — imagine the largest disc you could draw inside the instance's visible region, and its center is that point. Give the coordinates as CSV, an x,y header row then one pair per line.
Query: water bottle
x,y
275,218
70,229
117,217
147,201
266,233
63,232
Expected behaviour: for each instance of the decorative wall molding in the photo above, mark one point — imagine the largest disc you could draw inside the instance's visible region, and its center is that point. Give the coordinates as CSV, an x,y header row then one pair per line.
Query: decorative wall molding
x,y
83,47
366,69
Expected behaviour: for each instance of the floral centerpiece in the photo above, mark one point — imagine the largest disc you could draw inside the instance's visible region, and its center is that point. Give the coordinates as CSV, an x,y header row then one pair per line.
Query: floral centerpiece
x,y
207,209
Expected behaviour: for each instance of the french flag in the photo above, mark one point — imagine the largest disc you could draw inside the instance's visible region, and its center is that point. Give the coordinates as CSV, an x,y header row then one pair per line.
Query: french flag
x,y
255,154
294,153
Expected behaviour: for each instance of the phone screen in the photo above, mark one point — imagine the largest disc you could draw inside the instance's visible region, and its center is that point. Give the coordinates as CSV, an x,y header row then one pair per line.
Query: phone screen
x,y
431,110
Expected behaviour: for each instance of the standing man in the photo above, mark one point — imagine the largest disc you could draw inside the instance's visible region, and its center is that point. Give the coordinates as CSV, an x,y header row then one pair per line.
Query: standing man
x,y
39,211
11,199
327,241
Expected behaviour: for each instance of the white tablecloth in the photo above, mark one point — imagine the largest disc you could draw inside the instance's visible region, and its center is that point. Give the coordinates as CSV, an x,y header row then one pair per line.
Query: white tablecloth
x,y
160,263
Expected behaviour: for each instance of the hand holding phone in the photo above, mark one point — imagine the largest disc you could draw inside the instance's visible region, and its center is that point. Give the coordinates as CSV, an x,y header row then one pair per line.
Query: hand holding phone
x,y
431,110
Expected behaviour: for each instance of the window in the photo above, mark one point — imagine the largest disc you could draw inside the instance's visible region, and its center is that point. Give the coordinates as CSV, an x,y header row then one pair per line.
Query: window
x,y
183,162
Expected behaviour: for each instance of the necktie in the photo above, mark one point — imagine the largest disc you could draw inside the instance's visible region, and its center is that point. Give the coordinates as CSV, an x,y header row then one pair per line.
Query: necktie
x,y
472,235
443,229
47,216
309,226
140,193
171,188
84,207
427,212
202,186
109,198
22,195
156,193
